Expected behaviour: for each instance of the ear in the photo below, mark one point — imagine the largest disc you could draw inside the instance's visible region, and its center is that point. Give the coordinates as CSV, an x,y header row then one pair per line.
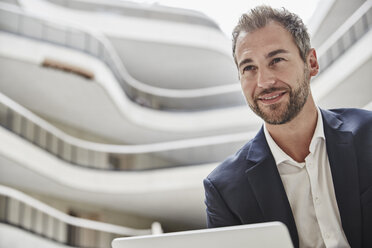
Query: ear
x,y
312,61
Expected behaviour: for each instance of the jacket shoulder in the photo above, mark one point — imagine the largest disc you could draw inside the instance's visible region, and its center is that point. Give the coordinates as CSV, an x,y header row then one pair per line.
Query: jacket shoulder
x,y
231,167
359,115
354,120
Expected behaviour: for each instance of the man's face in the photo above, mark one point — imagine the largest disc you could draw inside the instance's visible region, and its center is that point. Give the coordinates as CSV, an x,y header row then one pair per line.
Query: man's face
x,y
274,79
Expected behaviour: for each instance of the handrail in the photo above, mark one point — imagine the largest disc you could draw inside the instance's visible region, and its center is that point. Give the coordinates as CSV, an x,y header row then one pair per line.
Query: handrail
x,y
100,228
117,157
191,99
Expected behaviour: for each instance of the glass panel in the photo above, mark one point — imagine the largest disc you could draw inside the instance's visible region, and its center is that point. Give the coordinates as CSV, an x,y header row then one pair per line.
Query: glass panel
x,y
41,137
336,52
359,28
61,231
59,148
115,162
348,39
49,226
67,152
16,123
31,27
73,235
340,45
76,39
13,211
369,18
27,217
44,224
53,144
105,239
93,48
3,114
3,207
82,156
55,35
29,130
100,160
106,58
9,21
34,216
88,237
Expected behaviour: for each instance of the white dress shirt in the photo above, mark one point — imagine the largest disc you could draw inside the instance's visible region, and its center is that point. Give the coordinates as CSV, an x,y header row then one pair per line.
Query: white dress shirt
x,y
310,191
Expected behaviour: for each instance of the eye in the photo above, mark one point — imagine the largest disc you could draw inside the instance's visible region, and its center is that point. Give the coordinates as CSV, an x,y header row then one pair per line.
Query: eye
x,y
249,68
275,61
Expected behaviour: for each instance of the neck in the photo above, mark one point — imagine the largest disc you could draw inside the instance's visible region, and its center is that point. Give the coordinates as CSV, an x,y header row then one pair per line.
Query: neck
x,y
295,136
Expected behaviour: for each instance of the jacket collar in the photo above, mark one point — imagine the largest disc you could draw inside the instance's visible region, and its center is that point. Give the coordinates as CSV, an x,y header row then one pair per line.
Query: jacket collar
x,y
343,163
267,186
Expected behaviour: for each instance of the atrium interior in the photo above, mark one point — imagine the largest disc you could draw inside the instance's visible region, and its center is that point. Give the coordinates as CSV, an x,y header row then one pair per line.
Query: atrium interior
x,y
113,112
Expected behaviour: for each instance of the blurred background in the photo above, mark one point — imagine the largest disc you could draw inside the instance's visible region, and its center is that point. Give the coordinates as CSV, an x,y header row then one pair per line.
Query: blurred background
x,y
113,112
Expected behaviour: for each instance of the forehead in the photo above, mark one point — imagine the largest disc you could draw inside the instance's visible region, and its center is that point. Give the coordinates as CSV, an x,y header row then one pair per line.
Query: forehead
x,y
264,40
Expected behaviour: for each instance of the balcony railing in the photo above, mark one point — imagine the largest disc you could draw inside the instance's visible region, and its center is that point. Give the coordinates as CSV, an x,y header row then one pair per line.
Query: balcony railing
x,y
37,131
16,21
20,210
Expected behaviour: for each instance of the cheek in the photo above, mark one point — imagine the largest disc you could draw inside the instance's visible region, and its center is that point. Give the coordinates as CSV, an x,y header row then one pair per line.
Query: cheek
x,y
248,88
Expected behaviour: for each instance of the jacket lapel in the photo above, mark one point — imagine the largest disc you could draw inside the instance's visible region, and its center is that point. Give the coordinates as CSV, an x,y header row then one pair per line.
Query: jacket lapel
x,y
343,163
267,186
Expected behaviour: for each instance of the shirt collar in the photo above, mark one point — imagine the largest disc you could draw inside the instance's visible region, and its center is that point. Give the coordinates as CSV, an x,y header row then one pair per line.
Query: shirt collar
x,y
318,133
280,156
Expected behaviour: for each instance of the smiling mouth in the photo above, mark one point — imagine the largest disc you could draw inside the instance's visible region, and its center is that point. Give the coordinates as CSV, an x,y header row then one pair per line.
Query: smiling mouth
x,y
271,98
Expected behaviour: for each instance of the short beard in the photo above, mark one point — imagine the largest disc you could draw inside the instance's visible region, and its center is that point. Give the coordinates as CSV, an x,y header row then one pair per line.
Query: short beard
x,y
297,100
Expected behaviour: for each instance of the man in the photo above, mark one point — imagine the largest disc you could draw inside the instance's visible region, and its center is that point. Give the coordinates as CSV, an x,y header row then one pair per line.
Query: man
x,y
308,168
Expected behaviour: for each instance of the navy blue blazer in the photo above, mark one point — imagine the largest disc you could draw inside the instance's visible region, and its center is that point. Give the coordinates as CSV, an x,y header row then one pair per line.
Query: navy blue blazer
x,y
246,188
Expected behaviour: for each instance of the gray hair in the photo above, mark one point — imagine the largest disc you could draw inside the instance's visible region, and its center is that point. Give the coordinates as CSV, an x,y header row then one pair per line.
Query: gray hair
x,y
260,16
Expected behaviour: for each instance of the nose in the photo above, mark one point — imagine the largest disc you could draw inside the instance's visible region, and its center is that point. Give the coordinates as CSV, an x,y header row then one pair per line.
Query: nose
x,y
265,78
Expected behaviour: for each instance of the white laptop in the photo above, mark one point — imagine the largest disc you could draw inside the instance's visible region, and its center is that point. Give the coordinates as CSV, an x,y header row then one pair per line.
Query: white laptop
x,y
264,235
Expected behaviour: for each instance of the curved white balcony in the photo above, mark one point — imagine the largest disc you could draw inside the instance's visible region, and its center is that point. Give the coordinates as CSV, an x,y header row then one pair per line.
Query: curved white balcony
x,y
346,62
167,67
103,98
172,196
166,125
163,186
37,131
40,225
